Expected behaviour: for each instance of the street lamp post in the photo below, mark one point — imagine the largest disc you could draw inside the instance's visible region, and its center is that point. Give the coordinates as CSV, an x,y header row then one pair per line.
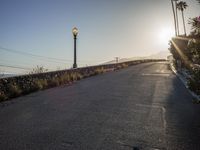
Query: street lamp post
x,y
75,33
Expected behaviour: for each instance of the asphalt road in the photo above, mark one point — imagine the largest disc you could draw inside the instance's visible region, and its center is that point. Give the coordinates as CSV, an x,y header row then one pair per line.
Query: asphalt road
x,y
143,107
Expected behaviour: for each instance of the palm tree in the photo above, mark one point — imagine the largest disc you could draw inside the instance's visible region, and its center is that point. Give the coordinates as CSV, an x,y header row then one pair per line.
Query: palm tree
x,y
174,17
177,21
182,6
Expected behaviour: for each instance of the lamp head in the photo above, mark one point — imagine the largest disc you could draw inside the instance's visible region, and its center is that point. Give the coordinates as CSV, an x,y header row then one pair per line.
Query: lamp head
x,y
75,31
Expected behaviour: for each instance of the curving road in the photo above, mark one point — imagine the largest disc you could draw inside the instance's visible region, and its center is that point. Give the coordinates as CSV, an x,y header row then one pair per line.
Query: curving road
x,y
143,107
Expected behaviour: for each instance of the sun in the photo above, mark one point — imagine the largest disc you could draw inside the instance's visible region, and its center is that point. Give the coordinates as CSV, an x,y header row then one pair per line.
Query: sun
x,y
165,34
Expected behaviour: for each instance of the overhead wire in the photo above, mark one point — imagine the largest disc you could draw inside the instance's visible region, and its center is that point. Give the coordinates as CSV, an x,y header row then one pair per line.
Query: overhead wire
x,y
16,67
44,58
49,59
40,56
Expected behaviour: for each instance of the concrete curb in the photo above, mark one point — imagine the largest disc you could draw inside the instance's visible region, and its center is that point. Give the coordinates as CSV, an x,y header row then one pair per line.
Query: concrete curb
x,y
184,81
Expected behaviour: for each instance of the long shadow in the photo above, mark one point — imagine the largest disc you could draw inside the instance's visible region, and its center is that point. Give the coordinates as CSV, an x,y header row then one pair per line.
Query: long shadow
x,y
182,117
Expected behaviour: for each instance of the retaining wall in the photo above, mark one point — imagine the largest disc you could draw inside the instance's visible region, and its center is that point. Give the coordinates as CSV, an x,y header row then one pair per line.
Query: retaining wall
x,y
20,85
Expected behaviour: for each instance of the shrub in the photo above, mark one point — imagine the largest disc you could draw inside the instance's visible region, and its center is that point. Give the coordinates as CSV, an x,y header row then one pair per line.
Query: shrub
x,y
124,65
118,67
195,23
44,83
99,70
79,76
194,81
65,78
54,82
75,76
194,48
14,90
3,97
39,84
62,79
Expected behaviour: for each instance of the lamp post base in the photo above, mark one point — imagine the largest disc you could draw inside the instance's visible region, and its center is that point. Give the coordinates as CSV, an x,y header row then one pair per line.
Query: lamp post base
x,y
74,65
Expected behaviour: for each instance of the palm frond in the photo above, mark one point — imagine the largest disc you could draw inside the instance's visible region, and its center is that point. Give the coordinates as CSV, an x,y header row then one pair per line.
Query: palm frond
x,y
182,5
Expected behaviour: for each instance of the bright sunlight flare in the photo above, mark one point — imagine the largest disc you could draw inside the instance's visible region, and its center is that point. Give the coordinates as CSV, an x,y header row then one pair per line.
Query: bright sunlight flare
x,y
165,34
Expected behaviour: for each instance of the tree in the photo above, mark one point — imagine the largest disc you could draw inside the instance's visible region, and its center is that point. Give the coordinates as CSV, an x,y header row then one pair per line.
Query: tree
x,y
176,13
195,22
182,6
174,17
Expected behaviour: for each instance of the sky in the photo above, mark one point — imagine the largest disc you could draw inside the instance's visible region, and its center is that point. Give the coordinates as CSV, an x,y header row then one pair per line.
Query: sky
x,y
107,29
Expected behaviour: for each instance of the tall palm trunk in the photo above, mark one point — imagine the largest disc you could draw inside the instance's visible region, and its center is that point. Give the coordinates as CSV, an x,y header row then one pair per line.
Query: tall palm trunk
x,y
174,17
183,22
177,21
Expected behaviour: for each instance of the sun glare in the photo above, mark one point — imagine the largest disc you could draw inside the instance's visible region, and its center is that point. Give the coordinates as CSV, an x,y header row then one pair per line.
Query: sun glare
x,y
165,34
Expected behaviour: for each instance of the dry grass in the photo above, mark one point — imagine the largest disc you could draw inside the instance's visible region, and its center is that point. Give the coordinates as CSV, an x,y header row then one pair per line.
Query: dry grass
x,y
64,79
3,97
99,70
40,84
124,65
54,82
14,90
30,85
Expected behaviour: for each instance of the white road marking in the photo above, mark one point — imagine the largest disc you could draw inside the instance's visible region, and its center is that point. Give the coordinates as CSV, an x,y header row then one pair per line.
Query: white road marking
x,y
156,74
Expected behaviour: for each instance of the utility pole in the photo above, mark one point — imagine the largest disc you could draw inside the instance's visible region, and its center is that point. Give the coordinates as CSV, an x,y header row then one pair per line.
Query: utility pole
x,y
117,59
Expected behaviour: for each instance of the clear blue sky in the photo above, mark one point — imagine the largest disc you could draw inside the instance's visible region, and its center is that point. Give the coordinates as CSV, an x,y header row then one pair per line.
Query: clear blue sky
x,y
107,28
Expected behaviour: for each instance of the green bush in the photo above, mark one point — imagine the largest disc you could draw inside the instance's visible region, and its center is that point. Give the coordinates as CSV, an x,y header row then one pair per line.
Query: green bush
x,y
194,81
195,25
194,49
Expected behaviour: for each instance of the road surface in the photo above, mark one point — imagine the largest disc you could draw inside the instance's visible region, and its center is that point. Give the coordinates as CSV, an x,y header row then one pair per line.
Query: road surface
x,y
143,107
